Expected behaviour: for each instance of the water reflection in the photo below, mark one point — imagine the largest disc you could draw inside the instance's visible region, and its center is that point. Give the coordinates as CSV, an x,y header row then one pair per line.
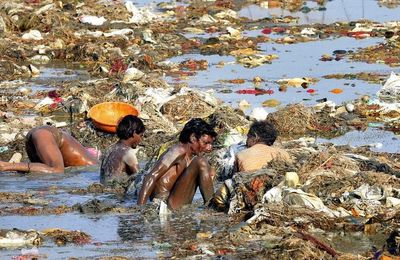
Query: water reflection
x,y
174,228
324,12
378,140
297,60
170,232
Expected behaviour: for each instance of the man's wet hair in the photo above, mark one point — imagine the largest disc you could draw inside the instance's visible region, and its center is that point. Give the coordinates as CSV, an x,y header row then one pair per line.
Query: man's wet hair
x,y
128,125
264,132
198,127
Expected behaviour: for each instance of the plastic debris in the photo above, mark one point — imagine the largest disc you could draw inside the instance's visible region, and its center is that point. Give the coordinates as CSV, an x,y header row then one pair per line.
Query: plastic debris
x,y
336,91
297,82
259,113
32,35
390,91
19,238
16,158
132,74
140,15
92,20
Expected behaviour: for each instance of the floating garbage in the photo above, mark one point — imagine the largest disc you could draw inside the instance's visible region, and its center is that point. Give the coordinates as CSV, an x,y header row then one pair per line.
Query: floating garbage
x,y
33,252
256,91
266,31
390,91
19,238
244,104
40,59
336,91
255,60
258,113
62,236
297,82
34,71
232,34
271,103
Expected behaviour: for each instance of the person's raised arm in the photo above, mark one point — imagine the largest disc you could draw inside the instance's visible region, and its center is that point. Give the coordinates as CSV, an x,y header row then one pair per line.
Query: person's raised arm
x,y
170,158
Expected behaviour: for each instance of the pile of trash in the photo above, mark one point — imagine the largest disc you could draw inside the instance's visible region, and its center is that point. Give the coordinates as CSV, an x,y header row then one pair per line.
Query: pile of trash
x,y
327,189
18,238
294,120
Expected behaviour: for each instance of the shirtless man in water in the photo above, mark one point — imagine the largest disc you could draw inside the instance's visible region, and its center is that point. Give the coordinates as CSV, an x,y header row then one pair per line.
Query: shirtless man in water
x,y
120,160
259,152
176,176
50,150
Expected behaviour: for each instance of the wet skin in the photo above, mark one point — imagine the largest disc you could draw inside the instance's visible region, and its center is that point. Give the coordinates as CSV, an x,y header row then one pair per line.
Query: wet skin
x,y
177,174
50,150
120,159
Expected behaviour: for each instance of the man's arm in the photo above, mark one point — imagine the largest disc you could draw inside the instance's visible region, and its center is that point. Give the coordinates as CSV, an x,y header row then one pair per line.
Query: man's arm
x,y
161,167
131,161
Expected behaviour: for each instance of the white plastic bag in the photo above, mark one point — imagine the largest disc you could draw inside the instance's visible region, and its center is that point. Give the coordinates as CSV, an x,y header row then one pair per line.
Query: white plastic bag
x,y
93,20
390,91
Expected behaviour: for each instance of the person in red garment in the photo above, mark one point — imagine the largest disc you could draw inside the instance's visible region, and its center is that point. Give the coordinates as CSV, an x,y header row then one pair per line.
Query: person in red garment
x,y
176,176
50,151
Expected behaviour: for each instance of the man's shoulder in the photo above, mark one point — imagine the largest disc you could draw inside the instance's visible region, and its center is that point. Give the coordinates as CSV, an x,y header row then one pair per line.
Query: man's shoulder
x,y
280,152
176,149
245,152
117,148
173,154
257,148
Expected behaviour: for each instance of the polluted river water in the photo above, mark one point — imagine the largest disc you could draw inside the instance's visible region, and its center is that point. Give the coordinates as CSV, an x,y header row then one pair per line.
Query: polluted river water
x,y
132,235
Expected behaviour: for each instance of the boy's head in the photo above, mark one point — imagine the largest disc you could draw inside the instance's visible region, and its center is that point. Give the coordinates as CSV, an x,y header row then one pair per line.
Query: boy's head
x,y
199,133
261,132
128,126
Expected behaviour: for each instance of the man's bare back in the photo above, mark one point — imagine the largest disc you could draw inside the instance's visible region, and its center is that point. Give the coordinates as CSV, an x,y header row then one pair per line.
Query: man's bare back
x,y
50,151
120,162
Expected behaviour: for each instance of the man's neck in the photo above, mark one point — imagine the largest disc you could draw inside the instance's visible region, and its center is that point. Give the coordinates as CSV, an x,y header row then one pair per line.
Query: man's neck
x,y
188,149
126,142
261,144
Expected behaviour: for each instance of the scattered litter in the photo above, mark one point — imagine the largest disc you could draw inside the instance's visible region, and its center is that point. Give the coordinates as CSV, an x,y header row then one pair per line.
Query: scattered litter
x,y
32,35
390,91
92,20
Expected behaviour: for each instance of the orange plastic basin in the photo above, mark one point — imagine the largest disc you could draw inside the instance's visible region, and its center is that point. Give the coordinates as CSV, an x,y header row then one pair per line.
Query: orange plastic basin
x,y
105,116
